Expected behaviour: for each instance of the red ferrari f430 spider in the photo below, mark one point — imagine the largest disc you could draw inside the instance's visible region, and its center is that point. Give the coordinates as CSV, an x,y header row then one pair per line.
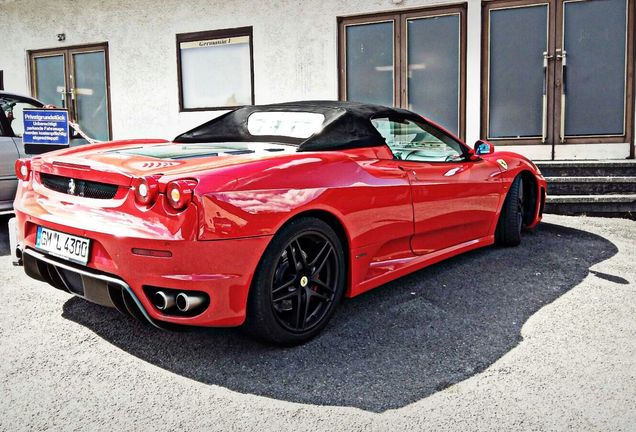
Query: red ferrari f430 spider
x,y
266,216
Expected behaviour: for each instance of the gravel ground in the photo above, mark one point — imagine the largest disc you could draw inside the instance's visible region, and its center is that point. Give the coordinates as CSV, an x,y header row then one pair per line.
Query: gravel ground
x,y
539,337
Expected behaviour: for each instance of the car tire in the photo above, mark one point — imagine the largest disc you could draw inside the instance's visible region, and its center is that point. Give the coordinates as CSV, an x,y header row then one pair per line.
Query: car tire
x,y
298,283
510,224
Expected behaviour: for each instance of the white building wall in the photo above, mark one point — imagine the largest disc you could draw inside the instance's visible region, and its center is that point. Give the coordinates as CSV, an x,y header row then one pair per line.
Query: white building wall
x,y
295,51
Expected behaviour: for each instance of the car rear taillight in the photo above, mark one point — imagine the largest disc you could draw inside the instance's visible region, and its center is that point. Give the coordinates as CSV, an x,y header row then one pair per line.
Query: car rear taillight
x,y
23,169
146,190
179,193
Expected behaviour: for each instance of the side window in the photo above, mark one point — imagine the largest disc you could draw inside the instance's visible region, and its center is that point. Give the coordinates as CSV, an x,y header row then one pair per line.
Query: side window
x,y
4,118
418,142
17,124
14,112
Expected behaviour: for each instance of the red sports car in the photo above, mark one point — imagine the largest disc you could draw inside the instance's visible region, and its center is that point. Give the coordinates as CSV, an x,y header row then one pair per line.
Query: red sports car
x,y
266,216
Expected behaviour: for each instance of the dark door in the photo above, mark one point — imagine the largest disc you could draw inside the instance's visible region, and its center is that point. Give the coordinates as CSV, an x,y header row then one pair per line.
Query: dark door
x,y
591,56
75,79
455,200
558,72
413,59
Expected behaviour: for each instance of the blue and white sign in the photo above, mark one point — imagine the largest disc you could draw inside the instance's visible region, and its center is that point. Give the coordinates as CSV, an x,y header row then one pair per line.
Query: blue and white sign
x,y
46,126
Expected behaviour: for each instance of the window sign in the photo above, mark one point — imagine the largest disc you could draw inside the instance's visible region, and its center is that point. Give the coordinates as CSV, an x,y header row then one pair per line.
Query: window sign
x,y
216,72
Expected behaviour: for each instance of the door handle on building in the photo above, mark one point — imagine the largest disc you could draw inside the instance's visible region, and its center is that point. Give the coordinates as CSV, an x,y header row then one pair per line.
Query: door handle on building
x,y
544,109
562,56
62,91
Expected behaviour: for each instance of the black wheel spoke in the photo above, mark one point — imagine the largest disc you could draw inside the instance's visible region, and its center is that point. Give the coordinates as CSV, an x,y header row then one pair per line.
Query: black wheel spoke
x,y
322,285
284,296
283,286
293,259
321,297
303,259
314,313
301,310
321,258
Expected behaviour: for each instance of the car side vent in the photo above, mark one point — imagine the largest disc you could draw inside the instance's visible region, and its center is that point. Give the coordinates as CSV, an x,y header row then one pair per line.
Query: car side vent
x,y
77,187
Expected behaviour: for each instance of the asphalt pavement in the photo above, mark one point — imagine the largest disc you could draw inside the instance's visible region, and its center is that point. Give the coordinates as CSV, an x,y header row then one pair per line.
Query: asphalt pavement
x,y
538,337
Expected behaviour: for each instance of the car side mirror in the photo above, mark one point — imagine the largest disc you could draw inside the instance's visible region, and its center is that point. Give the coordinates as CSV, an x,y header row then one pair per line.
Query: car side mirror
x,y
483,147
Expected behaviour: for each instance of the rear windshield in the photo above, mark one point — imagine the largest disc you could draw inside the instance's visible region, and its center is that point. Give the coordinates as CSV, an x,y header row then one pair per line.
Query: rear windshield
x,y
293,124
199,150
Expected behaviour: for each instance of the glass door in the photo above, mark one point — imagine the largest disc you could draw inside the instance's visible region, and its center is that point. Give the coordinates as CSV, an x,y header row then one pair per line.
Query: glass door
x,y
89,92
434,67
592,65
414,59
370,62
49,74
517,73
75,79
558,72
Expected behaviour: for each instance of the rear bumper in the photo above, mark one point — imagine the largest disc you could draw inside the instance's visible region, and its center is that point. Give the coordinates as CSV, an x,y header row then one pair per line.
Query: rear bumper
x,y
116,277
92,286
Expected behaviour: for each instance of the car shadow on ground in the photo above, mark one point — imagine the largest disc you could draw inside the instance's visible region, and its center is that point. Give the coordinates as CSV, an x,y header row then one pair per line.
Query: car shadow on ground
x,y
389,347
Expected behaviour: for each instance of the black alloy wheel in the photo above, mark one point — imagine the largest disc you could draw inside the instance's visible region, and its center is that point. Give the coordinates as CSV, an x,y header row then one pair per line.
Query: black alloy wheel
x,y
298,283
304,283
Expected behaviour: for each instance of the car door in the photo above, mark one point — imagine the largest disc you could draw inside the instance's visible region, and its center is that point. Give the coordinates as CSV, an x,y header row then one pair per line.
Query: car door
x,y
455,199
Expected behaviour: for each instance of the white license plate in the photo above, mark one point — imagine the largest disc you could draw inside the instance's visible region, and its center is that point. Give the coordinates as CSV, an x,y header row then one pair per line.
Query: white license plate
x,y
63,245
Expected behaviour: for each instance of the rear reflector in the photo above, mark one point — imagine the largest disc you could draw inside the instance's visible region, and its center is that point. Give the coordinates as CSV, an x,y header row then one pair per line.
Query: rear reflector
x,y
152,253
23,169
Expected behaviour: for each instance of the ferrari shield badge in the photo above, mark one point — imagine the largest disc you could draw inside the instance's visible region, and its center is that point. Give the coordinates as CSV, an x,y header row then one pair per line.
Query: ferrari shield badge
x,y
502,163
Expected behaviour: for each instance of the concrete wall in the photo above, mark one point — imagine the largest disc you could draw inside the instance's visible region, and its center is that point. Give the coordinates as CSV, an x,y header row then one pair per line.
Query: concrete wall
x,y
295,50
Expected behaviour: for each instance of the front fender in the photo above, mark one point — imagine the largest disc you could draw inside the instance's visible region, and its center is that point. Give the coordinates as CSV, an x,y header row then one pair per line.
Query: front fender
x,y
512,165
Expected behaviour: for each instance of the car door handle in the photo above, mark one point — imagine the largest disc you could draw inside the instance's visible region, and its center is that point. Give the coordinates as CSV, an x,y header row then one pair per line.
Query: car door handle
x,y
409,171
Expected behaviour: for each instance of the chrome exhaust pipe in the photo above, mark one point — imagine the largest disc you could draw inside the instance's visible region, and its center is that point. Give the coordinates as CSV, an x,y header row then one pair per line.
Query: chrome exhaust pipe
x,y
163,300
187,302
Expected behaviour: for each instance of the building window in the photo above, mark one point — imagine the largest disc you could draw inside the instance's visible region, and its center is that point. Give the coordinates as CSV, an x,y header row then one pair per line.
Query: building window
x,y
215,69
415,59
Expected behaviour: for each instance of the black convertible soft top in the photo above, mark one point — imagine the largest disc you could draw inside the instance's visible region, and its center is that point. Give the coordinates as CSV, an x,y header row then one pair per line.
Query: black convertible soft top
x,y
346,125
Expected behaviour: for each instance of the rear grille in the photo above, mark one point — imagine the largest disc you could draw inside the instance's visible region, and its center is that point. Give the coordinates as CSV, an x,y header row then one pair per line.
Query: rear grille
x,y
77,187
